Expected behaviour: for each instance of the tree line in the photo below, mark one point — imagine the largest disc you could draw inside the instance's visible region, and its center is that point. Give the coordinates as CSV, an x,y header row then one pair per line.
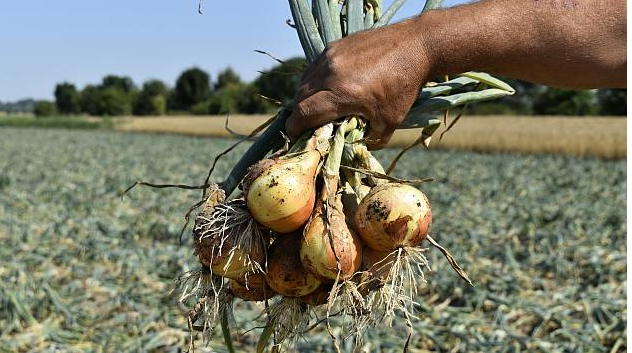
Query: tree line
x,y
194,92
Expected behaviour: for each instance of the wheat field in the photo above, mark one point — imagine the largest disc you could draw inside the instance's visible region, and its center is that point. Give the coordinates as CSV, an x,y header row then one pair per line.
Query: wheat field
x,y
603,137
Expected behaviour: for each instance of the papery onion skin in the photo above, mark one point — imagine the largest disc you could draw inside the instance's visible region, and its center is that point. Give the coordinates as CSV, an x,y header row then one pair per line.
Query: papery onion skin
x,y
254,291
393,216
217,255
317,254
285,273
282,196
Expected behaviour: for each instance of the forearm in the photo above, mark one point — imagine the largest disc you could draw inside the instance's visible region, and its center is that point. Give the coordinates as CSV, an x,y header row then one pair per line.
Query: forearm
x,y
564,43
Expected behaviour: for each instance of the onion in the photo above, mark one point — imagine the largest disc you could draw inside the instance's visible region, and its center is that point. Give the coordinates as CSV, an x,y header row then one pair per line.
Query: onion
x,y
280,193
392,216
317,254
319,296
229,240
285,274
377,263
254,289
235,261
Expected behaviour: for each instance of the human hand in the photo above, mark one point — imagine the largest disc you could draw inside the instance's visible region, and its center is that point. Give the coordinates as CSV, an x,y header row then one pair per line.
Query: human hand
x,y
375,74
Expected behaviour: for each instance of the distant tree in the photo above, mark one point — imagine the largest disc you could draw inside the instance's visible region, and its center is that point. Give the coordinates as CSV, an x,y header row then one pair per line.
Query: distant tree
x,y
612,101
192,86
123,83
114,101
45,108
89,99
152,99
226,77
282,81
239,98
67,98
554,101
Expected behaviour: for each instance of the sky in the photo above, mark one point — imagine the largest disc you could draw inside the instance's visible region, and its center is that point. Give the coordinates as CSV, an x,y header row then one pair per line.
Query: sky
x,y
45,42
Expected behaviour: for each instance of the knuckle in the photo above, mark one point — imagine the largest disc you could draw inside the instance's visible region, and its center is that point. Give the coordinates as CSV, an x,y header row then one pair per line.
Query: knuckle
x,y
303,108
334,65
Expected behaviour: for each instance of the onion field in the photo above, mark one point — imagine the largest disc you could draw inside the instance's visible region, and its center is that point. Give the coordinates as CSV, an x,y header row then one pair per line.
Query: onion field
x,y
83,269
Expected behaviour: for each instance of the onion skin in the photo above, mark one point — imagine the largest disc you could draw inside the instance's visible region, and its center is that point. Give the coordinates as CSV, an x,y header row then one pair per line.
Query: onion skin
x,y
285,273
236,267
281,195
204,246
255,290
351,200
318,297
377,263
317,254
393,216
212,253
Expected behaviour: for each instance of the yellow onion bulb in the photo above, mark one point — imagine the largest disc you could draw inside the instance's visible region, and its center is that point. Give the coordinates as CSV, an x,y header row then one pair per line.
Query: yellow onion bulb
x,y
393,216
285,273
231,260
317,254
254,289
229,241
280,193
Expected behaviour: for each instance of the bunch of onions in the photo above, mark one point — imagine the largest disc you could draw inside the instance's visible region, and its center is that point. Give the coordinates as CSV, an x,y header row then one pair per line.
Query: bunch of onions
x,y
351,242
317,225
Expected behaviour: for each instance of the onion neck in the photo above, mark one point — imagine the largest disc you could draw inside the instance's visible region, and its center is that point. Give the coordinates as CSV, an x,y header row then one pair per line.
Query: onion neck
x,y
331,169
316,140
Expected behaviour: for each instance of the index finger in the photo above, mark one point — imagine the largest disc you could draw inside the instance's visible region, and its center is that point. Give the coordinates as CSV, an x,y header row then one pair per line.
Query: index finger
x,y
316,110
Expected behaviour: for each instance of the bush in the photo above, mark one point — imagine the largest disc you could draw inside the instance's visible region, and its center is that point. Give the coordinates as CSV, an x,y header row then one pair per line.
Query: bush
x,y
200,108
192,86
67,98
113,101
238,98
45,108
152,99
